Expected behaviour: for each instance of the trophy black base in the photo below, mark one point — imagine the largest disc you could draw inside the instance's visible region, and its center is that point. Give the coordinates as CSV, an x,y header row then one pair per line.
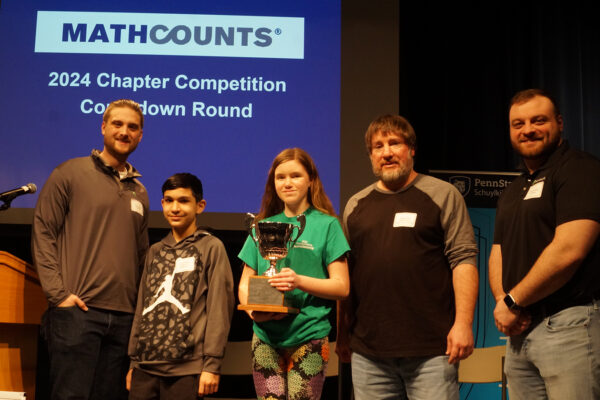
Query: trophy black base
x,y
264,297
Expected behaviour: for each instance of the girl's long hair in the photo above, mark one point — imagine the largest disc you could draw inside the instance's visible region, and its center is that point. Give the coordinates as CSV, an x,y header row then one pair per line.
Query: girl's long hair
x,y
271,203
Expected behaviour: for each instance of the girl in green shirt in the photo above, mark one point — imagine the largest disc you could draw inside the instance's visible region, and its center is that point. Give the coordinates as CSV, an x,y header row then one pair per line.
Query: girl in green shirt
x,y
290,351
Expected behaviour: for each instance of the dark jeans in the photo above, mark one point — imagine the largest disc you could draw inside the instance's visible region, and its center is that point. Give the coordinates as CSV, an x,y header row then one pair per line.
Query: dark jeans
x,y
145,386
88,353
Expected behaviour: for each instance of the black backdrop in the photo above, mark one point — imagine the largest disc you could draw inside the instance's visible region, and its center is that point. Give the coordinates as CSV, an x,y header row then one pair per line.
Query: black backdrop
x,y
460,65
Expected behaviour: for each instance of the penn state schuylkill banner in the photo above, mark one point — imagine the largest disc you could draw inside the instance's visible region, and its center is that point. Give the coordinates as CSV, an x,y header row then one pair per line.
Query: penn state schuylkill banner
x,y
479,188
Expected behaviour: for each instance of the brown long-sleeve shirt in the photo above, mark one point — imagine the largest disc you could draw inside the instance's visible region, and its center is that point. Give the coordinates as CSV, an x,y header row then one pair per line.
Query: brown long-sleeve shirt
x,y
90,234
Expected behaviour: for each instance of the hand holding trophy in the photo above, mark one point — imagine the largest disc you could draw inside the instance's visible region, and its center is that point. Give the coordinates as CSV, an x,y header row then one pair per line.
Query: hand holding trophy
x,y
294,198
273,240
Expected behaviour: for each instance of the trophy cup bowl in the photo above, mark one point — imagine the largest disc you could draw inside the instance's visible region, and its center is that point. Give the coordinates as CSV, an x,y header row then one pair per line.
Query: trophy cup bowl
x,y
273,240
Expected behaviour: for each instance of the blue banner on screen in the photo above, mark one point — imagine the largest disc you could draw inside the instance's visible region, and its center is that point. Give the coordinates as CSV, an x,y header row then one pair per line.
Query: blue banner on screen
x,y
224,88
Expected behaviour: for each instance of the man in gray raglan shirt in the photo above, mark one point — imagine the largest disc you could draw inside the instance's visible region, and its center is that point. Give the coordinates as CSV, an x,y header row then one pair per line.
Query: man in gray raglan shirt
x,y
413,272
89,240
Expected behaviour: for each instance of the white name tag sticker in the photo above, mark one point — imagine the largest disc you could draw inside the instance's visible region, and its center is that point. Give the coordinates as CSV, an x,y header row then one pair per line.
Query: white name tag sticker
x,y
184,264
535,191
405,219
136,206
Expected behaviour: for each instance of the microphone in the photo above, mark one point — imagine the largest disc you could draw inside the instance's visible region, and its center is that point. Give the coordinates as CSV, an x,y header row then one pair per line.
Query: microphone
x,y
11,194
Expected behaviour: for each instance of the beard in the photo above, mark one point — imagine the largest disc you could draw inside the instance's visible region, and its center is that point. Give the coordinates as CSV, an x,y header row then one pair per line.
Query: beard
x,y
538,152
396,176
117,149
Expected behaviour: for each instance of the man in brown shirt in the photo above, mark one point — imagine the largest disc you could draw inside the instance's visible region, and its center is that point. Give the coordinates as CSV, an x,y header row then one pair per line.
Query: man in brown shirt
x,y
89,240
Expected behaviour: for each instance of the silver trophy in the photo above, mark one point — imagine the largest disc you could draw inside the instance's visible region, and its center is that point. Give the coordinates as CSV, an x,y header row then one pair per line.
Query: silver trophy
x,y
274,238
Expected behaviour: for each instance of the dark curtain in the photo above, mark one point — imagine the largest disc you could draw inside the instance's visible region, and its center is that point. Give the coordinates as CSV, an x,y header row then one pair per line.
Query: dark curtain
x,y
459,67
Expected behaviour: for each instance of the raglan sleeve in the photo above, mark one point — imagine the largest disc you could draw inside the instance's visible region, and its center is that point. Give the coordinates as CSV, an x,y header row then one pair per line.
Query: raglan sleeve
x,y
459,240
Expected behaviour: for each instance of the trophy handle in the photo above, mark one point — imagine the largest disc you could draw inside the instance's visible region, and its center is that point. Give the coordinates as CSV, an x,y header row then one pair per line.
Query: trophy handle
x,y
249,221
302,220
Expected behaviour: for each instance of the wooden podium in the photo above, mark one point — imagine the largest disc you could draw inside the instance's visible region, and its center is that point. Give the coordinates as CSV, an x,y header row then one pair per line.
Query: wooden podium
x,y
22,304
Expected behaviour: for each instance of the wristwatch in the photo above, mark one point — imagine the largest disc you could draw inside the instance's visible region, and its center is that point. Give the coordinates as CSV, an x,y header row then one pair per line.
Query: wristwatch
x,y
511,303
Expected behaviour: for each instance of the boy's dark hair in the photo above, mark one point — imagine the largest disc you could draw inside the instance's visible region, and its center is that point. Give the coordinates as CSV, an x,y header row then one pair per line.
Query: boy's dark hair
x,y
184,180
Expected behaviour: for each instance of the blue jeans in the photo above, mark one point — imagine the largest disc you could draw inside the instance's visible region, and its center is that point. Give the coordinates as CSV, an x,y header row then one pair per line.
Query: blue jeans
x,y
414,378
88,353
558,357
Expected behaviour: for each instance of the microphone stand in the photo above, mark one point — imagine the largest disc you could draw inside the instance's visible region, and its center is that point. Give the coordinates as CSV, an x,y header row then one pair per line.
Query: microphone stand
x,y
7,202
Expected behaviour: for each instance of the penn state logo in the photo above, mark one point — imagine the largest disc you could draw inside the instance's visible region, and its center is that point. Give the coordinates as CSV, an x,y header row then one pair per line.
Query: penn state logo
x,y
462,183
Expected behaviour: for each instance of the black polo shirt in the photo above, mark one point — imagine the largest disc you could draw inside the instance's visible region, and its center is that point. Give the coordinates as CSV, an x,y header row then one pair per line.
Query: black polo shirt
x,y
565,188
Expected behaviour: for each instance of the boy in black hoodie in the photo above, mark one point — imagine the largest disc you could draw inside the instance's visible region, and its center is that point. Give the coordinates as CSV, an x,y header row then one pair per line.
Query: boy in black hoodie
x,y
185,304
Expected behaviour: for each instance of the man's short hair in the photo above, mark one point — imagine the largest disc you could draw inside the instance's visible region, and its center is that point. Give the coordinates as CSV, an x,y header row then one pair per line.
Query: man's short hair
x,y
184,180
391,124
525,95
124,103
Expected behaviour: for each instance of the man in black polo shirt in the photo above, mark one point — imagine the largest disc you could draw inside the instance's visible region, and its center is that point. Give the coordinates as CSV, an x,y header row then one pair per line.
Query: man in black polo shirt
x,y
545,261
